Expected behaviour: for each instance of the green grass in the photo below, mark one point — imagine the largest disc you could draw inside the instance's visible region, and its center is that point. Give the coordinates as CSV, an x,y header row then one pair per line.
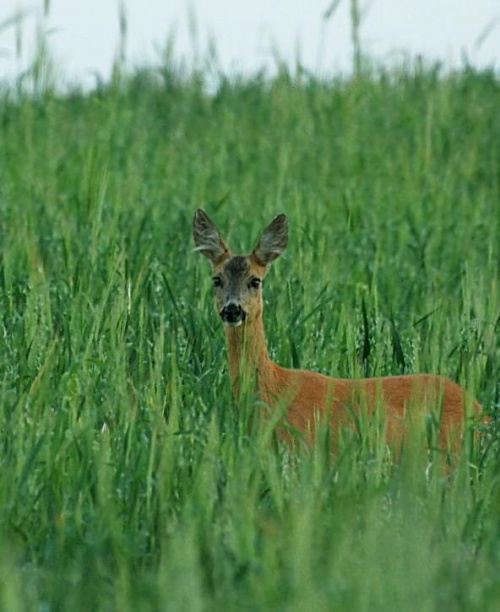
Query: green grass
x,y
127,478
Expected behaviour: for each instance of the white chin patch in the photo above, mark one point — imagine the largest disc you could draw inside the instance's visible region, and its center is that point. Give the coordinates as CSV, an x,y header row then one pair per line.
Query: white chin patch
x,y
237,324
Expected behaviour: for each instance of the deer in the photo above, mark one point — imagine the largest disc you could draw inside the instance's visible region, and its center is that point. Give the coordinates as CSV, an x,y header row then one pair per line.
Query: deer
x,y
306,396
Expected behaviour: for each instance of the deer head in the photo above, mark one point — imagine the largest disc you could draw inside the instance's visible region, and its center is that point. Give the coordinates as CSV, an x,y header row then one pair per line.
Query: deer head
x,y
238,278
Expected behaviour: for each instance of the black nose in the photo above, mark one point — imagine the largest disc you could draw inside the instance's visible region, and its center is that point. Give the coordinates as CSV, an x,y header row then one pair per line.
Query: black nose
x,y
233,313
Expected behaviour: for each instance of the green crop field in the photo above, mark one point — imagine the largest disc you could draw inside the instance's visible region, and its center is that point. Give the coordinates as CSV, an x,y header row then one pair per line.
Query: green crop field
x,y
129,479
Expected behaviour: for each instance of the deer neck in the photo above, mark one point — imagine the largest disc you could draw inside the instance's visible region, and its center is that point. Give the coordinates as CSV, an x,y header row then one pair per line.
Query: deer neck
x,y
248,355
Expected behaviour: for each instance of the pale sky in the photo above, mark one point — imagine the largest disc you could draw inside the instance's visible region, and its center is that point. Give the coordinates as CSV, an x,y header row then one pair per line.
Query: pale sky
x,y
84,33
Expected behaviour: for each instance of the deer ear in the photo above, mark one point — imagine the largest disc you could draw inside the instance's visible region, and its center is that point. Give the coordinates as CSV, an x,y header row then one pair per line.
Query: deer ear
x,y
273,241
207,238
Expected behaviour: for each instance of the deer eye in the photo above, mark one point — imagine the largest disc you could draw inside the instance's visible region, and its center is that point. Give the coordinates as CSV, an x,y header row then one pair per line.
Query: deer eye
x,y
255,283
217,281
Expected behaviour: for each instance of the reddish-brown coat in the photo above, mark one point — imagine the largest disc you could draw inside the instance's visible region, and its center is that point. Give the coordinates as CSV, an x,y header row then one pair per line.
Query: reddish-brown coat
x,y
306,396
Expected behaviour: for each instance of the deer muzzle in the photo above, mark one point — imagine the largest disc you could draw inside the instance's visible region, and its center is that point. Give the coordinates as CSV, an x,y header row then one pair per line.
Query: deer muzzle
x,y
233,314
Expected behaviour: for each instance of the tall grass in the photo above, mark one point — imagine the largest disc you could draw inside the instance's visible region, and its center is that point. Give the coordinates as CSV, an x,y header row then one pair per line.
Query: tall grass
x,y
127,477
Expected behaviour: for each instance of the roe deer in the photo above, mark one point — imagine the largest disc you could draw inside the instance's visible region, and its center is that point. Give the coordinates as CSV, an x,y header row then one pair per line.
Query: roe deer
x,y
305,395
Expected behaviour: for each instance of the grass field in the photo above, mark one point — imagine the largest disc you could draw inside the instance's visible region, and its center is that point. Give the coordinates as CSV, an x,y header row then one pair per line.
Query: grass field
x,y
127,478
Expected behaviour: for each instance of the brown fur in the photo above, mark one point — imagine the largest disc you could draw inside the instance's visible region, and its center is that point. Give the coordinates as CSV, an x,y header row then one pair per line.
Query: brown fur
x,y
307,395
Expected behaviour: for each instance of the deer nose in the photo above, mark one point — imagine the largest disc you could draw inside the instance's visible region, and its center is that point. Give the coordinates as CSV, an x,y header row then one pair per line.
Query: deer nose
x,y
232,313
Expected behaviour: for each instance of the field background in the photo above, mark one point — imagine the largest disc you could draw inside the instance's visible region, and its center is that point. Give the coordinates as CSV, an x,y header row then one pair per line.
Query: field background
x,y
127,478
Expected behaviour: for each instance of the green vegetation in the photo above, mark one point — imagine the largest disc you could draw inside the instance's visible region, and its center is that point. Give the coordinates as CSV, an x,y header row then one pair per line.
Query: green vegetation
x,y
128,480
